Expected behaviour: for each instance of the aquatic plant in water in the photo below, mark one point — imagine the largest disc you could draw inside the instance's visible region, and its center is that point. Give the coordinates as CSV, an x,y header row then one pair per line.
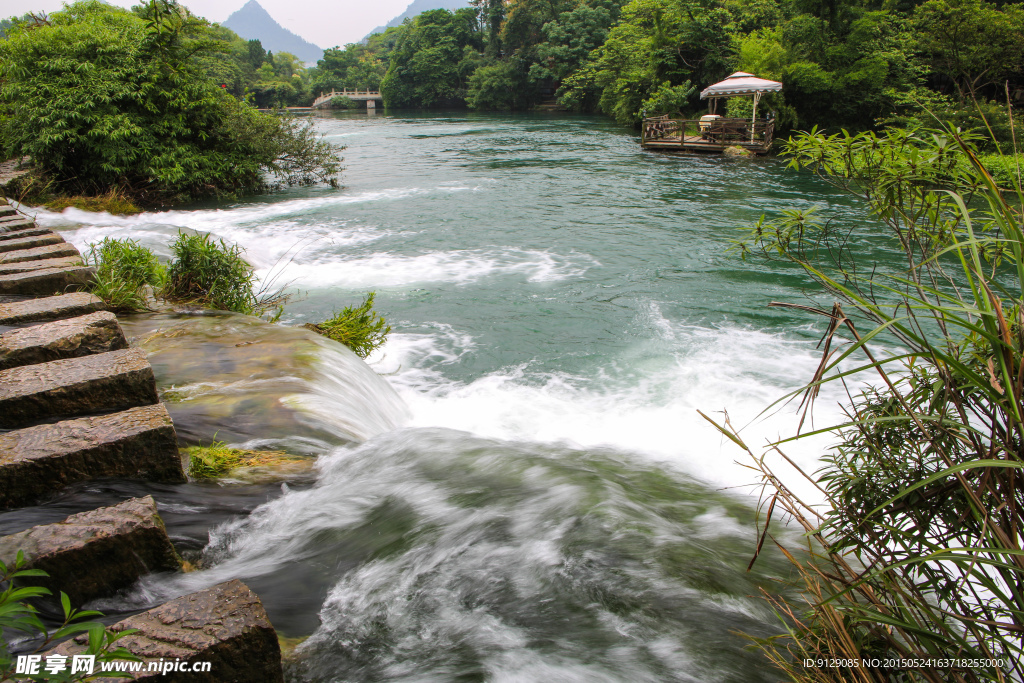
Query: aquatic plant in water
x,y
358,327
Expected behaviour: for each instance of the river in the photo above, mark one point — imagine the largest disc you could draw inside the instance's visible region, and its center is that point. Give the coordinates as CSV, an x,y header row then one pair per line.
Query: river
x,y
518,487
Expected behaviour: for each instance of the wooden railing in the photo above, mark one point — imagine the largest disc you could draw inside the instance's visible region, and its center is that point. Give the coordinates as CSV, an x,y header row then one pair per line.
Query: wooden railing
x,y
345,92
719,132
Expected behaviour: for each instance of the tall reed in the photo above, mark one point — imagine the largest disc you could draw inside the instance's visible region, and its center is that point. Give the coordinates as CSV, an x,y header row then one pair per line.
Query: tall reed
x,y
913,567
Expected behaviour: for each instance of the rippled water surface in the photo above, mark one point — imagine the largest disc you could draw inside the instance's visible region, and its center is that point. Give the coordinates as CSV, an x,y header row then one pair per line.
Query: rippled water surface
x,y
524,491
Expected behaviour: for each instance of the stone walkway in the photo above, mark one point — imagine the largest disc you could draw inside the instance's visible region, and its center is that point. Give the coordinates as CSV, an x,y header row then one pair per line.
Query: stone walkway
x,y
77,404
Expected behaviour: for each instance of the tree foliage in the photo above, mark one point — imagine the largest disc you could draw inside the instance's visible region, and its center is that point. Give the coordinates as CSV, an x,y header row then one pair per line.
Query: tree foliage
x,y
100,97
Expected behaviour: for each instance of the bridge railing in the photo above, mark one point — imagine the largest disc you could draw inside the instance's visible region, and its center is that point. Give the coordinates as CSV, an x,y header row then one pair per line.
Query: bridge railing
x,y
345,92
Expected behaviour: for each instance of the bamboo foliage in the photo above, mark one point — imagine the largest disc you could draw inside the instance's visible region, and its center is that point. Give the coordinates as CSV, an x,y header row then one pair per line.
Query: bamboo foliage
x,y
913,567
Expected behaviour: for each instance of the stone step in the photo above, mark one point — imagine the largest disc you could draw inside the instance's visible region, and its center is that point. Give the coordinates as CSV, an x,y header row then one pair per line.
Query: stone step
x,y
95,553
55,250
31,242
17,224
7,210
26,232
138,443
47,280
225,625
81,336
25,266
50,308
105,382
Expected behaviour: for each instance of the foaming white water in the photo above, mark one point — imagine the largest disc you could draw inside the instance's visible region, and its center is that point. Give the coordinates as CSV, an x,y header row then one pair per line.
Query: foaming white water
x,y
646,404
459,267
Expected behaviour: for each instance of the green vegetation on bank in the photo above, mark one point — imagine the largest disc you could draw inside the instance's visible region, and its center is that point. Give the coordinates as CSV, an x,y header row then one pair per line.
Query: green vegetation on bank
x,y
916,551
854,64
213,274
104,99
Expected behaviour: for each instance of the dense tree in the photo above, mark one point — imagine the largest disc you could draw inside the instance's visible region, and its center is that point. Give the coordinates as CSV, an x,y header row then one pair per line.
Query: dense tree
x,y
103,98
433,59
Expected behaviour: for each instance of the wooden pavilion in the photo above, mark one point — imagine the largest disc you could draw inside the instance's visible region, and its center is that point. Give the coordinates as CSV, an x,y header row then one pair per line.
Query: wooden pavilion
x,y
714,133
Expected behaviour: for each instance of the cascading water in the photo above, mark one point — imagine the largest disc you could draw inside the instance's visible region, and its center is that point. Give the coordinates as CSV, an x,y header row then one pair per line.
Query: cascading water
x,y
521,488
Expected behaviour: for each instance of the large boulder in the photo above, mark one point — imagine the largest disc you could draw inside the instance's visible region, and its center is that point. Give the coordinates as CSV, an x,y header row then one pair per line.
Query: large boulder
x,y
225,626
95,553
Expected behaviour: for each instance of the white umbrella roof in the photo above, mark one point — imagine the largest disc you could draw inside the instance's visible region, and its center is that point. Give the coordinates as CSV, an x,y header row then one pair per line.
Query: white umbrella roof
x,y
740,83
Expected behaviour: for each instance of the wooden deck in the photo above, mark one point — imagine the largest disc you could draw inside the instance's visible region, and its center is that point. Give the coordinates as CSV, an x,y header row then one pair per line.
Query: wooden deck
x,y
661,132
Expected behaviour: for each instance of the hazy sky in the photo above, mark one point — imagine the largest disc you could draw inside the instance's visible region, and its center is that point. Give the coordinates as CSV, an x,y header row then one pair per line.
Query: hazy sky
x,y
324,22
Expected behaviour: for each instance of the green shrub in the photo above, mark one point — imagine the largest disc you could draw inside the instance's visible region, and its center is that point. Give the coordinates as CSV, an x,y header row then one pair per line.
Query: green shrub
x,y
101,97
212,274
124,268
916,551
17,614
360,328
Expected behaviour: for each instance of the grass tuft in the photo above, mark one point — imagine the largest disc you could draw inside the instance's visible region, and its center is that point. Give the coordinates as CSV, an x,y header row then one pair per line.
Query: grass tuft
x,y
213,274
359,328
124,269
113,201
218,459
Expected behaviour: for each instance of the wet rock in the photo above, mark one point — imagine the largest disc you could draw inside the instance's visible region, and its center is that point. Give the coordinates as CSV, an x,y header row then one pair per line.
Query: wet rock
x,y
75,386
25,266
81,336
95,553
737,151
244,379
25,232
47,251
47,280
225,625
138,443
49,308
16,224
31,242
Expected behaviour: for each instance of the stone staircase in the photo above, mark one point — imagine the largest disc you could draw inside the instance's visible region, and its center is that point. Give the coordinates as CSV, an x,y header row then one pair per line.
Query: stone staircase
x,y
77,403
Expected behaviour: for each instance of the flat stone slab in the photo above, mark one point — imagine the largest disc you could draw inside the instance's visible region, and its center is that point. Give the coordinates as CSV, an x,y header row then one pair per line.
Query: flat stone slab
x,y
16,223
23,232
225,625
138,443
82,336
30,242
47,280
54,250
50,308
70,387
26,266
95,553
7,210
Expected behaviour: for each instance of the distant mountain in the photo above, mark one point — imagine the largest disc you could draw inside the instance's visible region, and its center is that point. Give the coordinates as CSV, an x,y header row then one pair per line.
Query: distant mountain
x,y
253,22
417,7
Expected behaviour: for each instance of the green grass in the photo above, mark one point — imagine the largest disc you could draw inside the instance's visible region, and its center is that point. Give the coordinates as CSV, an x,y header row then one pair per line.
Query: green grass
x,y
211,273
359,328
124,270
218,459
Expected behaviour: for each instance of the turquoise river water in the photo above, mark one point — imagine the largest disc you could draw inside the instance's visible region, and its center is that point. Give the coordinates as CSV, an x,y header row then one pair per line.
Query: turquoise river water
x,y
518,486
